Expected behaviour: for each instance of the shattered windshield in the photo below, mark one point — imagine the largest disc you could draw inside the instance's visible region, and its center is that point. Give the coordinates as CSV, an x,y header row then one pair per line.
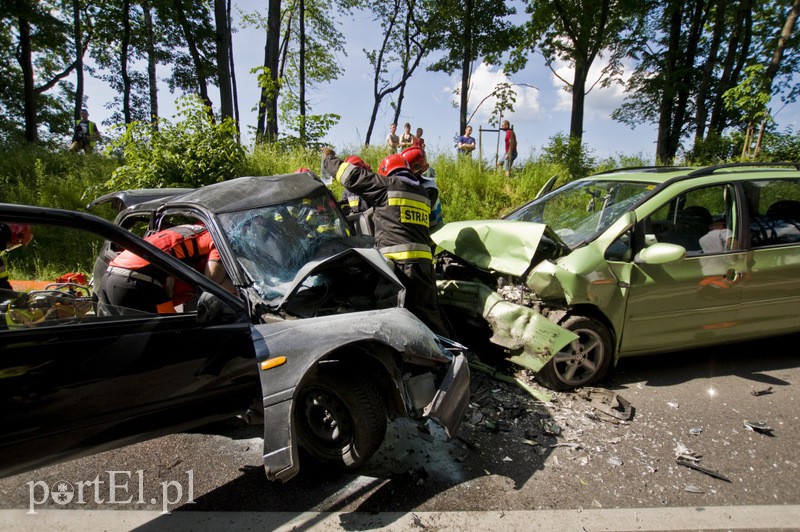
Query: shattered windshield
x,y
272,243
581,210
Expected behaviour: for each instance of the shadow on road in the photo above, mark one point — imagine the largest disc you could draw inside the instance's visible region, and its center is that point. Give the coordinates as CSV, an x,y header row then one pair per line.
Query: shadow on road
x,y
748,360
414,465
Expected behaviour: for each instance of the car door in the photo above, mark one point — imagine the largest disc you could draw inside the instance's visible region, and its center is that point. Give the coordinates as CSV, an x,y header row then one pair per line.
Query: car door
x,y
695,301
771,298
74,380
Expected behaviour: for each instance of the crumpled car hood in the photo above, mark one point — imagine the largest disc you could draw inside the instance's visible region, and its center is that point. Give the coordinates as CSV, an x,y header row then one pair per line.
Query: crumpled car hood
x,y
501,245
369,257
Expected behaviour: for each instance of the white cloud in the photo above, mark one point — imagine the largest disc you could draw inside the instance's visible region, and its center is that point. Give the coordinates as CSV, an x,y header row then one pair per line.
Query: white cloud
x,y
484,81
600,102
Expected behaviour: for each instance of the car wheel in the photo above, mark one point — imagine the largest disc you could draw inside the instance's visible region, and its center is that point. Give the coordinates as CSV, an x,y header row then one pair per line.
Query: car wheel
x,y
583,361
341,420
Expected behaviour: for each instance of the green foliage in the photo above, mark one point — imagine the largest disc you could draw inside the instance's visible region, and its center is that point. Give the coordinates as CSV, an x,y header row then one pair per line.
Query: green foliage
x,y
781,147
196,151
714,149
570,152
751,96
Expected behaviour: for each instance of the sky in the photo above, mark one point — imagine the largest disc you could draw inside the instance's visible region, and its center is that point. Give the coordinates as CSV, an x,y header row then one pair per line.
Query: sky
x,y
542,109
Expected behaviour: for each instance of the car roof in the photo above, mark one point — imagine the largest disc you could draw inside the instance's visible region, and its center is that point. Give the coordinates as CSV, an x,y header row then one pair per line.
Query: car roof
x,y
125,198
661,175
250,192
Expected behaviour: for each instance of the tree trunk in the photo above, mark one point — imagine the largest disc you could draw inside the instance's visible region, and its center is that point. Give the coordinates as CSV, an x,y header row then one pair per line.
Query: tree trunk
x,y
24,58
578,99
152,80
76,17
271,63
123,61
719,117
233,77
194,53
666,107
302,72
701,113
786,33
466,64
687,81
223,63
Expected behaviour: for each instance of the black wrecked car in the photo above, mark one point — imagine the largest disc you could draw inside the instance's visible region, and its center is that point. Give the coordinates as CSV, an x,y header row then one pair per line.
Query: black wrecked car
x,y
317,336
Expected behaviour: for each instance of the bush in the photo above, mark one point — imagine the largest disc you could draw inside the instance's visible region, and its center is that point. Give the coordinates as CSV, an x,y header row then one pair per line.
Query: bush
x,y
570,152
196,151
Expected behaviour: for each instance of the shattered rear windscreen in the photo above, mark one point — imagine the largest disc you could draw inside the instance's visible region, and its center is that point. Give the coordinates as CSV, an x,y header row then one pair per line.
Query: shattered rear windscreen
x,y
580,211
272,243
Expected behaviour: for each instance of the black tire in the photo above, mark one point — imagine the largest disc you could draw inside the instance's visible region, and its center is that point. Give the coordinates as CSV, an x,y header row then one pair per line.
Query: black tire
x,y
582,362
340,420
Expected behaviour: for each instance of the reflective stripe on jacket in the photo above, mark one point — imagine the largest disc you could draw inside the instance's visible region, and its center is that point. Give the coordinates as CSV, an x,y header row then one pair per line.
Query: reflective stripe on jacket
x,y
402,209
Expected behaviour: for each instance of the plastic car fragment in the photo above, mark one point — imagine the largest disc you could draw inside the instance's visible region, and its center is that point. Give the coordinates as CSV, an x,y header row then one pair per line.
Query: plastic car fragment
x,y
690,459
609,403
759,426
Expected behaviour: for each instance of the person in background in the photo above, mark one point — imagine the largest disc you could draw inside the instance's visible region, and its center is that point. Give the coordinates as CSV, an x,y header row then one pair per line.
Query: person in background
x,y
406,139
12,236
511,147
392,140
86,134
419,142
466,143
402,232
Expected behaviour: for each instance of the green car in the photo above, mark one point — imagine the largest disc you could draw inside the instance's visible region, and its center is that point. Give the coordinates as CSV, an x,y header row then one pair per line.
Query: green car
x,y
629,262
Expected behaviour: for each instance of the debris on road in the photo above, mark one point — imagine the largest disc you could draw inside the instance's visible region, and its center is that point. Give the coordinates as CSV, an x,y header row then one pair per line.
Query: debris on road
x,y
697,467
759,426
695,431
693,489
690,459
765,391
609,403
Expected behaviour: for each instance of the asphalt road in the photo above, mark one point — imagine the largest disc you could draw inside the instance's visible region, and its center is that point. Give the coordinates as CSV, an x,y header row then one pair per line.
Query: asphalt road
x,y
514,453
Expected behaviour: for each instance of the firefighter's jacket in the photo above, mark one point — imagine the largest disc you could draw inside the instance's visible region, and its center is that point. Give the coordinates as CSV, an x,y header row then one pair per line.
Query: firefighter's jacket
x,y
191,244
401,204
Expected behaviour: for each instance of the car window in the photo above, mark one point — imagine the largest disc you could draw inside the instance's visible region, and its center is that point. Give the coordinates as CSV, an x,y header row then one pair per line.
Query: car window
x,y
704,221
272,243
774,211
579,211
43,295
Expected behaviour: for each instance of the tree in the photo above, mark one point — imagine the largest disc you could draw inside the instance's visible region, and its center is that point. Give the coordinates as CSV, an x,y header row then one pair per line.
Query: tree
x,y
578,31
467,31
223,54
405,42
41,44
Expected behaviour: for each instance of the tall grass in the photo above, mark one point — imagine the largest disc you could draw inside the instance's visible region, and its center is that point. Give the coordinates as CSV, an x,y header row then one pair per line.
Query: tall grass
x,y
35,176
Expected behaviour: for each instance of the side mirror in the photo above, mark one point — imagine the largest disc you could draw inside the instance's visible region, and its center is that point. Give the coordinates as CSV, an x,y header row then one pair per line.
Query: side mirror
x,y
660,253
211,309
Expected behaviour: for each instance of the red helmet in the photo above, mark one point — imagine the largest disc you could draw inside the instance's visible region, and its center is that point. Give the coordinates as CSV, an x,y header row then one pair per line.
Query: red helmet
x,y
301,170
415,157
391,163
20,233
355,160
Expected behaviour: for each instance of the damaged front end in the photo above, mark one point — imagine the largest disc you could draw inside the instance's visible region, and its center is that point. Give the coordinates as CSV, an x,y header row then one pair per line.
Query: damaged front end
x,y
327,380
487,267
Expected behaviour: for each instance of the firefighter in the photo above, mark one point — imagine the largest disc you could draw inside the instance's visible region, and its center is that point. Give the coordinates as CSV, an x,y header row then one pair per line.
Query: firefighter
x,y
354,202
401,217
131,282
418,164
12,236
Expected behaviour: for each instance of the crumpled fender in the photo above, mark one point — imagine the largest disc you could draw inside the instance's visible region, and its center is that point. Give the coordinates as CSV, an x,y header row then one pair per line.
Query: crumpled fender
x,y
513,326
303,343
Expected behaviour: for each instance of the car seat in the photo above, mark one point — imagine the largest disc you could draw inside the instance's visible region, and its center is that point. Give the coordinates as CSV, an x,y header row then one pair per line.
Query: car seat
x,y
788,210
691,223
